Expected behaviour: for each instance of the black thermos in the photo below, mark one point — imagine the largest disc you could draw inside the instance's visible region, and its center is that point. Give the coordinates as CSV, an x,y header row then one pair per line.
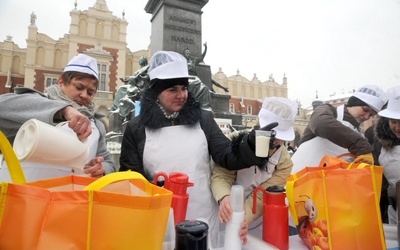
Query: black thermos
x,y
191,235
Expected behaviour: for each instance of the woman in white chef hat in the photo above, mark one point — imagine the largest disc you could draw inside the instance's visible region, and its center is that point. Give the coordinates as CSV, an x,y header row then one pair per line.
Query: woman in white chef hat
x,y
336,130
71,100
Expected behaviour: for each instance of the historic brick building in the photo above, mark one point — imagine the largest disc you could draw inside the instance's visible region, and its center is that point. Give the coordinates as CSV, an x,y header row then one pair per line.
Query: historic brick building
x,y
102,35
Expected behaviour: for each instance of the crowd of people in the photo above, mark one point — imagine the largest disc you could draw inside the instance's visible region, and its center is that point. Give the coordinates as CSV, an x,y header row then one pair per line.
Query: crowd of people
x,y
173,133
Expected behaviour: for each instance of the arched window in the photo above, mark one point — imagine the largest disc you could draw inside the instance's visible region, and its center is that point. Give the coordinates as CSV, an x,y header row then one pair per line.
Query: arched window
x,y
82,27
16,66
115,33
40,56
58,58
99,29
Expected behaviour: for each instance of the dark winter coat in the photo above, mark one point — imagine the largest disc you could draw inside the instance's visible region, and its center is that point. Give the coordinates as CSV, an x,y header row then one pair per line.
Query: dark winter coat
x,y
323,123
231,155
389,158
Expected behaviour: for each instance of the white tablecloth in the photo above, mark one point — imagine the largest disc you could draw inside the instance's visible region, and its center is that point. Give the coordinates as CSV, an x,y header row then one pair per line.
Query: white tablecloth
x,y
255,242
296,243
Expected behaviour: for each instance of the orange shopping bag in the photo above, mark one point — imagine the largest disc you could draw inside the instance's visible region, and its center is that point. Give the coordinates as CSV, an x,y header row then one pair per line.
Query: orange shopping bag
x,y
118,211
337,206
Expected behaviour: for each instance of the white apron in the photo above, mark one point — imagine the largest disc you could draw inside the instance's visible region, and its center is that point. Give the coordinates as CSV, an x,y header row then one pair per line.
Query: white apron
x,y
37,171
310,153
250,181
250,178
389,158
184,149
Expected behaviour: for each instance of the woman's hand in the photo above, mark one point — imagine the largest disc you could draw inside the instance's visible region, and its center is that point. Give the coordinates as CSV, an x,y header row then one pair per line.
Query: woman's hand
x,y
225,213
95,167
225,209
78,122
244,230
366,158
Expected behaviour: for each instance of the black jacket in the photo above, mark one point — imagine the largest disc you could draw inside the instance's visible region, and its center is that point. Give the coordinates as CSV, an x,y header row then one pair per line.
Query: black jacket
x,y
233,155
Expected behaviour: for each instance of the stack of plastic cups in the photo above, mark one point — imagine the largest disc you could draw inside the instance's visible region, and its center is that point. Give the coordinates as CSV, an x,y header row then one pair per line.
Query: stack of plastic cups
x,y
169,238
232,238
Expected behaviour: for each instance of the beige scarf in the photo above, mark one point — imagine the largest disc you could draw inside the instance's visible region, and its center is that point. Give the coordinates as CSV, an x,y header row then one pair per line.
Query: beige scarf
x,y
54,93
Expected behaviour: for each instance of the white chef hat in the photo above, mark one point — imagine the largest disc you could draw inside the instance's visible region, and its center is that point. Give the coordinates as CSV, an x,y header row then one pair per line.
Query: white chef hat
x,y
168,65
393,109
372,95
393,92
84,64
281,110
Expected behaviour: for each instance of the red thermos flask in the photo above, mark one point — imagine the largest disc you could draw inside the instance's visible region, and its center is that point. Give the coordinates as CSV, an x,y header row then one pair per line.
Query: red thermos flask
x,y
178,184
275,216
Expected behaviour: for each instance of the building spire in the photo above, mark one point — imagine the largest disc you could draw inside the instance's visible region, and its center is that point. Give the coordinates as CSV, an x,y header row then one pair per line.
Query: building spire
x,y
316,102
284,80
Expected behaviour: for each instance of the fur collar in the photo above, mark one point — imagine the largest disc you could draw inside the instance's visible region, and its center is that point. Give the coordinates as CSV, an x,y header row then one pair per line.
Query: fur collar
x,y
384,134
152,117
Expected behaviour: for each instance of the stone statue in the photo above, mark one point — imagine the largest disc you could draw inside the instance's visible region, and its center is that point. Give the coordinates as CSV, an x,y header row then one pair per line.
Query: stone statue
x,y
271,78
134,85
192,66
33,18
200,91
192,61
141,77
219,85
123,106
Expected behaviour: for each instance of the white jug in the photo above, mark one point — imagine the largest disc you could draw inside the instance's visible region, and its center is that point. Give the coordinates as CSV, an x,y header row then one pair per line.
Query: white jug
x,y
40,142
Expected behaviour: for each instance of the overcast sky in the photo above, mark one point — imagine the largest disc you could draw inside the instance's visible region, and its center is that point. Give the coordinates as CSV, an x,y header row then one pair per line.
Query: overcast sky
x,y
329,46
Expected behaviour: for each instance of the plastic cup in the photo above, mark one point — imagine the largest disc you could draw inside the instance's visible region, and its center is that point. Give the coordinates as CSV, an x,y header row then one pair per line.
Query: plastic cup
x,y
262,143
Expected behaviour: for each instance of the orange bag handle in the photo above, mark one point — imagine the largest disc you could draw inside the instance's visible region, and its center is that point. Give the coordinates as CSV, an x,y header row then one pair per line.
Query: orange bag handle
x,y
115,177
13,165
359,159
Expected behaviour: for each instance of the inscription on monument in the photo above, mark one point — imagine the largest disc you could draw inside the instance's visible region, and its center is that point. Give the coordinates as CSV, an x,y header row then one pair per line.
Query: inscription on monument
x,y
176,25
182,39
182,20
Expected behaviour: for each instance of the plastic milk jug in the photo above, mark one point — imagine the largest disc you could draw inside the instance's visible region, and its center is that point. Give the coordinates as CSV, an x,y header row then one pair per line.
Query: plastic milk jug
x,y
275,216
178,183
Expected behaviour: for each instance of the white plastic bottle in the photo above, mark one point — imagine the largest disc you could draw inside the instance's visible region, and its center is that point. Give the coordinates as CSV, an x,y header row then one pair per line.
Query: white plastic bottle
x,y
232,238
169,238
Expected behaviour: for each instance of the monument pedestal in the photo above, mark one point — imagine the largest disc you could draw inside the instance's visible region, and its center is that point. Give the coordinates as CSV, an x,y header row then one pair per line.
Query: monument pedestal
x,y
220,107
176,26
